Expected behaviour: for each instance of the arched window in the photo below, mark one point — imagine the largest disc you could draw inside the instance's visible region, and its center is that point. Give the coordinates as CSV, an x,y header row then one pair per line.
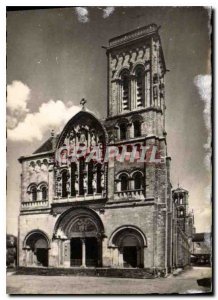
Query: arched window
x,y
181,212
123,131
140,87
138,181
81,175
64,183
33,192
137,128
123,182
125,82
44,192
73,178
99,188
90,177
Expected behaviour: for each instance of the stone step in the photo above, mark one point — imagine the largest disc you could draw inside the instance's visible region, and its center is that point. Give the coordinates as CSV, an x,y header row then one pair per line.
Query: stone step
x,y
98,272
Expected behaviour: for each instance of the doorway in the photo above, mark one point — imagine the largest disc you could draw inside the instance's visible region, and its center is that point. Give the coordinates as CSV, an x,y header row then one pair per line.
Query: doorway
x,y
42,257
130,257
75,252
91,252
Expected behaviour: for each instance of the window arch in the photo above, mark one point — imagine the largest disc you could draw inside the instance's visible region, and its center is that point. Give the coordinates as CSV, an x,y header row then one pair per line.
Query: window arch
x,y
138,180
140,86
137,128
73,178
123,131
99,187
125,84
123,182
64,183
90,177
44,191
181,212
81,175
33,191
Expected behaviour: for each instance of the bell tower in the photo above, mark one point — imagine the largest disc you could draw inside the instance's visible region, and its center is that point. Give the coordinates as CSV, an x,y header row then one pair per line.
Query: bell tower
x,y
136,70
180,199
136,106
135,121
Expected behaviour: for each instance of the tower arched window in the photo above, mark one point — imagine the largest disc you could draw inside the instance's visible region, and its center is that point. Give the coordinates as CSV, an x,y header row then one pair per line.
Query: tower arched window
x,y
33,192
140,87
137,128
44,192
181,212
125,83
123,182
123,131
64,183
138,183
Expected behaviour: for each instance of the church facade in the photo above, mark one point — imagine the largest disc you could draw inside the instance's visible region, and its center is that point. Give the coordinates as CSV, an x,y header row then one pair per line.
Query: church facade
x,y
110,207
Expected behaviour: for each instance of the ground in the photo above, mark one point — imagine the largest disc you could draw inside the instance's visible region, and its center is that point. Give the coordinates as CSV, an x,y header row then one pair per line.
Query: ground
x,y
182,283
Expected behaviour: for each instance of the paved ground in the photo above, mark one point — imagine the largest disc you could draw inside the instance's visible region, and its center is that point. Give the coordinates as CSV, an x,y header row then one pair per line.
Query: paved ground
x,y
183,283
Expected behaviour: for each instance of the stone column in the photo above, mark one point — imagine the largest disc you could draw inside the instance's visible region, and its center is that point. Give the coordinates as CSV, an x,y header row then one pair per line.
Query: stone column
x,y
133,93
120,257
115,254
83,253
118,183
27,259
30,256
66,245
35,261
131,184
54,253
138,256
129,129
99,240
119,96
148,90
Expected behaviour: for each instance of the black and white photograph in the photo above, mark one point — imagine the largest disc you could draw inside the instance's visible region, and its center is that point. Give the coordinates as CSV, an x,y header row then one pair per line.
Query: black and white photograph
x,y
109,150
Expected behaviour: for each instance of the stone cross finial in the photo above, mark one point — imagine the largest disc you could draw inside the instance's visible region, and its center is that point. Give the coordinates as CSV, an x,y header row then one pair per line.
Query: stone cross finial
x,y
83,102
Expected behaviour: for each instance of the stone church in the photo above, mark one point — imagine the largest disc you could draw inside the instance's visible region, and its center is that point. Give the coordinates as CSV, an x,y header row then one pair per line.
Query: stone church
x,y
97,212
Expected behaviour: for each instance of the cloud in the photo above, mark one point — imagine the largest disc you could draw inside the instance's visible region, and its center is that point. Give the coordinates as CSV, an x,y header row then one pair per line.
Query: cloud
x,y
203,84
18,95
207,193
203,213
51,115
82,14
108,11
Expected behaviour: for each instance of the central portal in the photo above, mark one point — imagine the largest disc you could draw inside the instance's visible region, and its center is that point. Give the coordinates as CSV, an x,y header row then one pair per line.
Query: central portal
x,y
83,232
84,252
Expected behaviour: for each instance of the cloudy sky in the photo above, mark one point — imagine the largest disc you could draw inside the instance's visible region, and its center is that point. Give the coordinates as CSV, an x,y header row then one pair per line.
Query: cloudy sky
x,y
55,58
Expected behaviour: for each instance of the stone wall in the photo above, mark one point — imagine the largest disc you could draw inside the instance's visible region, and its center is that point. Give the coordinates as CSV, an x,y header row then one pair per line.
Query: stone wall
x,y
149,221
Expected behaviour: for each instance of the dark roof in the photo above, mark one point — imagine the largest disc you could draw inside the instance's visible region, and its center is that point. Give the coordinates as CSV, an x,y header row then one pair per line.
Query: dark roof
x,y
179,189
46,146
